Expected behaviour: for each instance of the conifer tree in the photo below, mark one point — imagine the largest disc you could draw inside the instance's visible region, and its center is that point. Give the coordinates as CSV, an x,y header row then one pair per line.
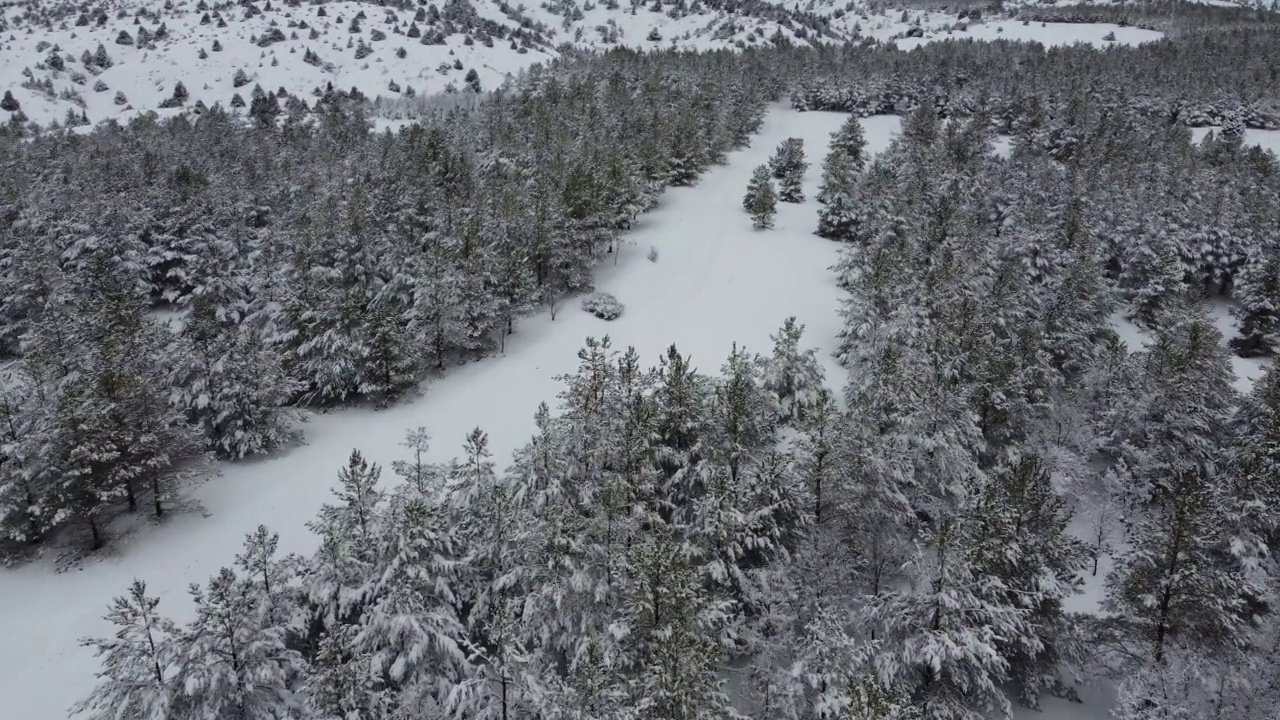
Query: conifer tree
x,y
235,661
1257,293
942,638
788,167
851,143
791,374
760,200
1025,523
137,679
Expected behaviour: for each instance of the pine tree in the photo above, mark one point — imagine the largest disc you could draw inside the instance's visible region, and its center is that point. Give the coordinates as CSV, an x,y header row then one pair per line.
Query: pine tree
x,y
837,676
674,655
137,679
1254,471
235,662
232,384
410,629
268,577
1025,524
793,375
490,586
788,167
760,200
1176,581
942,638
359,501
850,142
838,217
1257,293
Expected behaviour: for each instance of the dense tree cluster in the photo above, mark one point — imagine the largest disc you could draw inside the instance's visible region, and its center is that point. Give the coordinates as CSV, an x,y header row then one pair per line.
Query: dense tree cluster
x,y
1167,79
631,550
1194,217
997,399
315,263
666,525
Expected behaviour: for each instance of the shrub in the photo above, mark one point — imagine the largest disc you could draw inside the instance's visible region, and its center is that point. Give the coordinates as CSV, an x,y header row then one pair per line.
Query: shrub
x,y
603,306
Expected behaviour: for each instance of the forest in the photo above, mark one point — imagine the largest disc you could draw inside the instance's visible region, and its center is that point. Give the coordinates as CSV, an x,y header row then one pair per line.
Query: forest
x,y
906,541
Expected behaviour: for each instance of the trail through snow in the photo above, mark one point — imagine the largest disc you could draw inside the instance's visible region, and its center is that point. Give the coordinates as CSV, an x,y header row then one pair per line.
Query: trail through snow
x,y
715,282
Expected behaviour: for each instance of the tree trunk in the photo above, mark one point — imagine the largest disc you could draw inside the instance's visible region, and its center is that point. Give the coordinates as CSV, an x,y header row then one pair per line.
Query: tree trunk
x,y
156,499
130,495
95,534
33,523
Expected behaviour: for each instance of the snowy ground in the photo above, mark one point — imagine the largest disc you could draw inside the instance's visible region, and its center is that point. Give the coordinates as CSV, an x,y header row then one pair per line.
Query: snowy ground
x,y
1265,139
715,282
1050,34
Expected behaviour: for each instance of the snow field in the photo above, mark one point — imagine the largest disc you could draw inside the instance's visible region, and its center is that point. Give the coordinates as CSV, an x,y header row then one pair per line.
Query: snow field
x,y
1266,139
1049,34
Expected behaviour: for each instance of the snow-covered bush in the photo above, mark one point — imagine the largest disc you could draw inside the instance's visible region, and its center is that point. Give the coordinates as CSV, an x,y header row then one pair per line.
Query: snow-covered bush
x,y
603,306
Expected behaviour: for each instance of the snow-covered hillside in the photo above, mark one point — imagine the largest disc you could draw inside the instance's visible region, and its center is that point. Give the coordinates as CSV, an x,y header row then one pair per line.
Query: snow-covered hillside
x,y
223,53
220,51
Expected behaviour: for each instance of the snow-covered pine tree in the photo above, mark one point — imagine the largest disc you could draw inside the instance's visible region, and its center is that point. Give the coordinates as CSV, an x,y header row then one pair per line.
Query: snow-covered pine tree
x,y
851,142
489,587
839,216
231,384
29,499
760,200
836,676
942,637
137,679
1176,583
270,578
411,638
792,375
1177,580
1256,291
676,629
1028,547
360,501
746,511
1255,470
235,662
788,167
680,430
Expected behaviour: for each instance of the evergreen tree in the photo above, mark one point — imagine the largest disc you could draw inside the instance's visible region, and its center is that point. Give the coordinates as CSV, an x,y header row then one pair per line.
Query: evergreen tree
x,y
235,662
232,384
1255,478
1025,522
1257,293
137,675
850,142
788,167
760,200
942,638
674,626
793,375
